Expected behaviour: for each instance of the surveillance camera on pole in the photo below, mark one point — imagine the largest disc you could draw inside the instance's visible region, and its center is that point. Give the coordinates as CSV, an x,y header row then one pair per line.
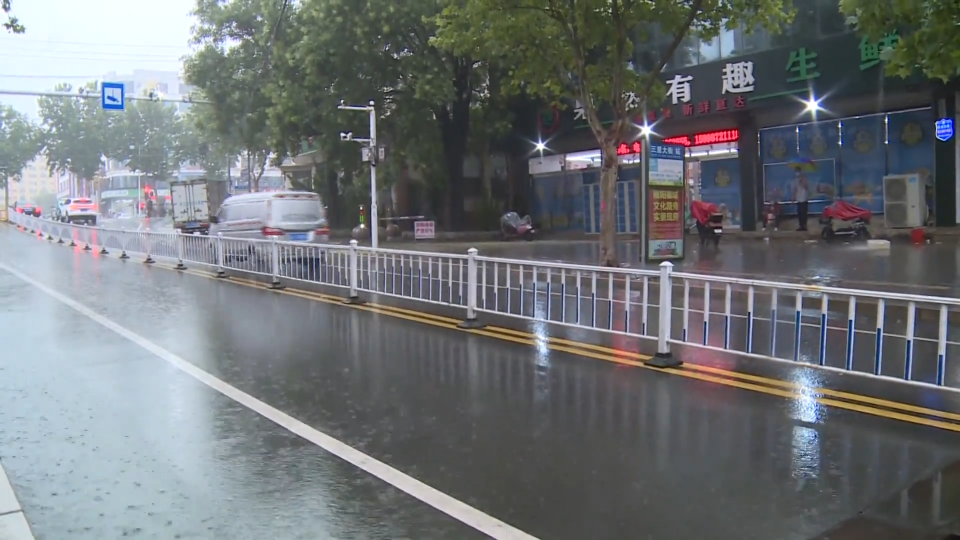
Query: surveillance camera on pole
x,y
371,145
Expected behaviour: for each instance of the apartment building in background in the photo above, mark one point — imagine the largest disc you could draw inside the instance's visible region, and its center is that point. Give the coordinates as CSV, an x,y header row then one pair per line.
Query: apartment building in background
x,y
36,182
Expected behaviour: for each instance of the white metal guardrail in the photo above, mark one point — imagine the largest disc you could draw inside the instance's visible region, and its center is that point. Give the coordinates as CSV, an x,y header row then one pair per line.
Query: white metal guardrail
x,y
901,336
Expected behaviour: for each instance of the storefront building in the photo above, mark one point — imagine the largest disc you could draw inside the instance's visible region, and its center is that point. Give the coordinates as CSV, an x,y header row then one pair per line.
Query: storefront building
x,y
747,119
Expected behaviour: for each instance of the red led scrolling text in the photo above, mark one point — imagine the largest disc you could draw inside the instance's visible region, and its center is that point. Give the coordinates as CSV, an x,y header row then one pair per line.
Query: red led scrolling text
x,y
712,137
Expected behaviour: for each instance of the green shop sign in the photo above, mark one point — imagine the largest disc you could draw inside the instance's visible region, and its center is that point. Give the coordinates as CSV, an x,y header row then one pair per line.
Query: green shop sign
x,y
843,65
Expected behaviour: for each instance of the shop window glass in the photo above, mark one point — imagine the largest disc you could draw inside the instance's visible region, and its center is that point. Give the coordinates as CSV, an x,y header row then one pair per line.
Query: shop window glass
x,y
830,21
727,40
709,50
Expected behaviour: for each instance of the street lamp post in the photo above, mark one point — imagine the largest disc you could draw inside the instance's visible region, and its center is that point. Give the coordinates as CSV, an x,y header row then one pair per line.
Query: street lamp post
x,y
371,144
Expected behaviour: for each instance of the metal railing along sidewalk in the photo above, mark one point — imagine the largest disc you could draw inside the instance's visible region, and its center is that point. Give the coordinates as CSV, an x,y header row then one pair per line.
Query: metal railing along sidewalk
x,y
901,336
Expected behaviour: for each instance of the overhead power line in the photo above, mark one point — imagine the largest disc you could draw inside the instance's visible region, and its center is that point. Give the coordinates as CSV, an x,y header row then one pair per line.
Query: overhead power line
x,y
19,39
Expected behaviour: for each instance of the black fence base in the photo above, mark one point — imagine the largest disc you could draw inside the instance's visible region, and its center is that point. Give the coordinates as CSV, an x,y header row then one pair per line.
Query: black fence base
x,y
471,324
221,274
87,248
124,255
277,286
353,301
180,266
663,361
148,260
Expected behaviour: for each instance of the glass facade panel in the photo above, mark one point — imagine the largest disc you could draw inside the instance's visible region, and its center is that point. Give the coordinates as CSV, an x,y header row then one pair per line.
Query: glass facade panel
x,y
851,157
814,20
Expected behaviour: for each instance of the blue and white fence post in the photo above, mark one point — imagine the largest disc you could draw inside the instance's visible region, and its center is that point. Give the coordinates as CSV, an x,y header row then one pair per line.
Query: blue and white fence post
x,y
275,265
218,248
664,357
148,242
353,275
471,321
179,240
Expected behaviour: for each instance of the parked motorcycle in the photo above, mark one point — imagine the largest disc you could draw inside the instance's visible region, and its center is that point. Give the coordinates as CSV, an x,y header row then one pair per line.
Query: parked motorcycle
x,y
513,226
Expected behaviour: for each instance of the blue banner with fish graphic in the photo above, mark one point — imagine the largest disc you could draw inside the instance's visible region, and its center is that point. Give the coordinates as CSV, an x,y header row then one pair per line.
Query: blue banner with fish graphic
x,y
863,162
720,185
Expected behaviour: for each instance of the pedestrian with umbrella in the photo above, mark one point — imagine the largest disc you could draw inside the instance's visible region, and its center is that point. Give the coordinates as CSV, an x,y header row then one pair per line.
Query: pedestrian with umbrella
x,y
801,190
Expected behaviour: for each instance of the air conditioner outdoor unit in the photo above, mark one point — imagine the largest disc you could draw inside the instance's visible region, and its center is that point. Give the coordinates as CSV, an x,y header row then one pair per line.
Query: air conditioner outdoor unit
x,y
904,201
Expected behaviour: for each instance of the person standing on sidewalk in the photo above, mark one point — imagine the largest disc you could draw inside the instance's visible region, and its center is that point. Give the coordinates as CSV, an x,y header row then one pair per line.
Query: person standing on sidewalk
x,y
801,194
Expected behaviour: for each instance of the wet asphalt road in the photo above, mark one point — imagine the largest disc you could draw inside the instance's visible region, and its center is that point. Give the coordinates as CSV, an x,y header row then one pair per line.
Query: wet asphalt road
x,y
100,438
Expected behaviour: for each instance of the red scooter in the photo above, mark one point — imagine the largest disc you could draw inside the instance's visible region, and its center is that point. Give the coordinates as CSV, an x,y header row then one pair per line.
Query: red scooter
x,y
709,222
859,219
513,226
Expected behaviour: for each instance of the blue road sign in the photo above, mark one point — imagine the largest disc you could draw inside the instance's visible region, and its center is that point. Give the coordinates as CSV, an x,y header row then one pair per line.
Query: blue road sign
x,y
944,131
112,96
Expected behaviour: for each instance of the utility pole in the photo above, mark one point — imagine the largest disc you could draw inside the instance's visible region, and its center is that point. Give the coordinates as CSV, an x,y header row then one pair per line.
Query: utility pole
x,y
374,155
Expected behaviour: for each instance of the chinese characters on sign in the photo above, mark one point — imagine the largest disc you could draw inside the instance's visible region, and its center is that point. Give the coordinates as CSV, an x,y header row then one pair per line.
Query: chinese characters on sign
x,y
666,165
626,149
944,129
871,53
738,78
802,64
665,223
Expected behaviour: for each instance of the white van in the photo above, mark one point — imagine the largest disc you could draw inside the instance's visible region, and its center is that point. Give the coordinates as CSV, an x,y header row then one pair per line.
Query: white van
x,y
294,216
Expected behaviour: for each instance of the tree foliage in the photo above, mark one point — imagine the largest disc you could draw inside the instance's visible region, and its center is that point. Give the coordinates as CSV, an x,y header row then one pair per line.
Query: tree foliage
x,y
149,136
381,51
198,143
152,131
19,143
78,133
932,42
232,65
11,25
583,50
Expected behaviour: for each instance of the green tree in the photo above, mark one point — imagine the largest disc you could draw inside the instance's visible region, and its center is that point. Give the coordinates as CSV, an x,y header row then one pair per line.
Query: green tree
x,y
150,141
932,43
12,25
231,67
78,133
19,144
200,145
582,50
380,50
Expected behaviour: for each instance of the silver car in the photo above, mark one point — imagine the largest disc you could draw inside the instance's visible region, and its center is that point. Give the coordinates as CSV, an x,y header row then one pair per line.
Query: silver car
x,y
293,216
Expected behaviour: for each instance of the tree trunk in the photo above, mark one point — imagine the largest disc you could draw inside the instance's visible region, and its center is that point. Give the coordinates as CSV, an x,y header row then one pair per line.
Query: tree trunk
x,y
608,205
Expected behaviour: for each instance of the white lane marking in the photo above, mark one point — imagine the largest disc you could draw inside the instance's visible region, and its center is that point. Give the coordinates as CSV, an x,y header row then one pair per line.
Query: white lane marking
x,y
8,500
454,508
13,524
15,527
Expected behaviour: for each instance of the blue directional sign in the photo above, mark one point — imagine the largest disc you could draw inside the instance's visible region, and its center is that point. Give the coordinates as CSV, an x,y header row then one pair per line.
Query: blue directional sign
x,y
944,130
112,96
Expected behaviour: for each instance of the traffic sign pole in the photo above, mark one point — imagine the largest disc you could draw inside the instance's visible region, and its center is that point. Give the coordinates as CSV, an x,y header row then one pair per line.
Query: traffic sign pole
x,y
112,96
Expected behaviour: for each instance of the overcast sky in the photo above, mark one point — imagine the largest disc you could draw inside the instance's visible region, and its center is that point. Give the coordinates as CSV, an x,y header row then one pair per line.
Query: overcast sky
x,y
77,41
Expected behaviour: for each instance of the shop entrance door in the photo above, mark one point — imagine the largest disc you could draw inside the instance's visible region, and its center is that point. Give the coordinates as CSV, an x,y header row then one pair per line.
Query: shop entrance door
x,y
626,219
